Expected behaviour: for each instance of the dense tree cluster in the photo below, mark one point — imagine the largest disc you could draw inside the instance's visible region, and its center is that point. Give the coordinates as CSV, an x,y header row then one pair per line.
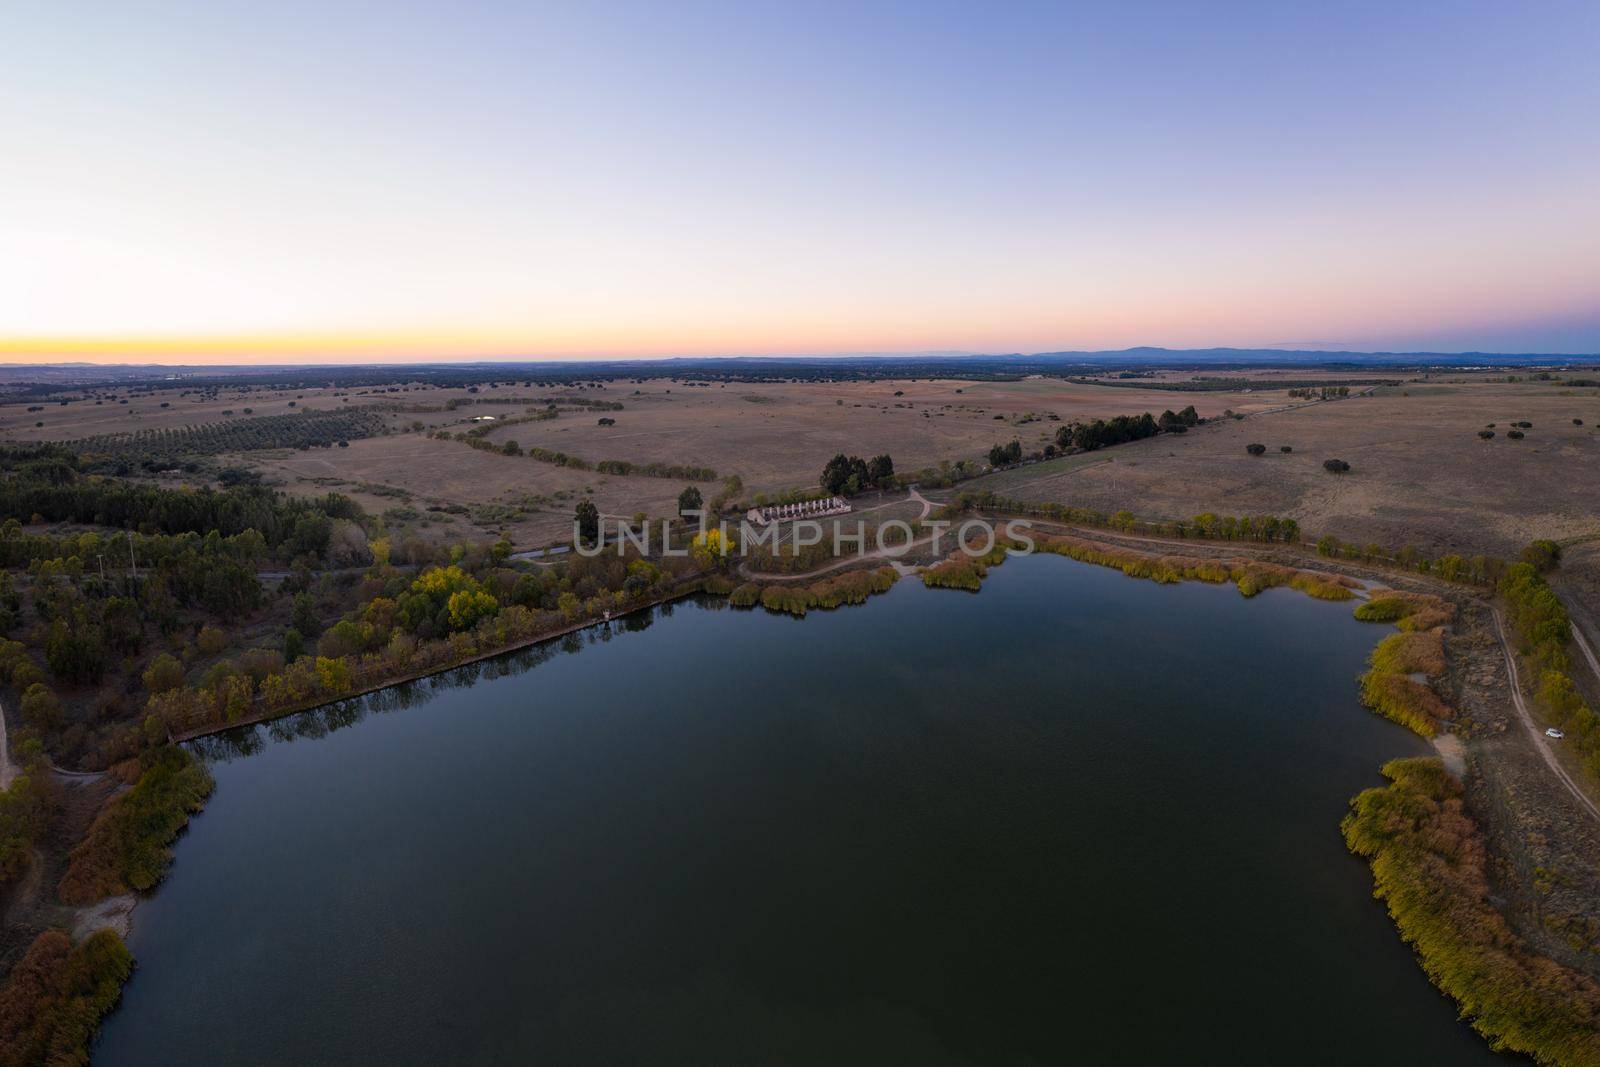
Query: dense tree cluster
x,y
846,475
1005,455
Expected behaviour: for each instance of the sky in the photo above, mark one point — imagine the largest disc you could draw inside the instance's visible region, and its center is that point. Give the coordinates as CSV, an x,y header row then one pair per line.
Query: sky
x,y
247,182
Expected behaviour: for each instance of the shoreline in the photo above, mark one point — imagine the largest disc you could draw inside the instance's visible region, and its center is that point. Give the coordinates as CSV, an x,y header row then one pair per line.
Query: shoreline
x,y
1449,748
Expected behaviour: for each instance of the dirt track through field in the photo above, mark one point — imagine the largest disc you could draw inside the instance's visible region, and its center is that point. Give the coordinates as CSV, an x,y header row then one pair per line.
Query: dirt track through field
x,y
7,771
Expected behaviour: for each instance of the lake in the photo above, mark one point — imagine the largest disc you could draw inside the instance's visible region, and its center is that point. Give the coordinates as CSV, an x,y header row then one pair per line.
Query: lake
x,y
1073,818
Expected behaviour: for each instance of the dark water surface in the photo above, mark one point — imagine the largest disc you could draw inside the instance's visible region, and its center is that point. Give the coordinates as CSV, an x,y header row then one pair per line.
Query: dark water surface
x,y
1074,818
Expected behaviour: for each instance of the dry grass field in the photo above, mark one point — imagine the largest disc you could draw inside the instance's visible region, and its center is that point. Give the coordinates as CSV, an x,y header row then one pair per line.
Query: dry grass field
x,y
1420,474
778,436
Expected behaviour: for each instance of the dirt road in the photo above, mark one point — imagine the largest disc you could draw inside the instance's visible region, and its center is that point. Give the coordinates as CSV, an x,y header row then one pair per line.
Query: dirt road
x,y
1535,733
7,771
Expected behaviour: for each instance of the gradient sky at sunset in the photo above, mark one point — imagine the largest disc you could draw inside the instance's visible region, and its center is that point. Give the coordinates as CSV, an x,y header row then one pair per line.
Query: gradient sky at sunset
x,y
292,181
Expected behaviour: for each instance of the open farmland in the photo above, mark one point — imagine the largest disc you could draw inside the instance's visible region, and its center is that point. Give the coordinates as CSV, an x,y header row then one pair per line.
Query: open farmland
x,y
777,436
1420,474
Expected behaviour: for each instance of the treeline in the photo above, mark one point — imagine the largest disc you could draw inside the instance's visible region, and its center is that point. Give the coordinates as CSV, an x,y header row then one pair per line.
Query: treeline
x,y
1478,570
678,472
1544,631
1104,433
1322,392
305,429
657,470
1430,866
1227,385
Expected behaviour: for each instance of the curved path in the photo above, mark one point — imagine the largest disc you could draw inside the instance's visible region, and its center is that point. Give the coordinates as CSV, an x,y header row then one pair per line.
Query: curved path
x,y
7,771
1535,734
1588,652
877,553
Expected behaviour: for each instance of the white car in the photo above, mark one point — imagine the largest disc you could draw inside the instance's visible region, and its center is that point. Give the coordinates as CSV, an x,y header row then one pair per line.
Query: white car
x,y
1553,732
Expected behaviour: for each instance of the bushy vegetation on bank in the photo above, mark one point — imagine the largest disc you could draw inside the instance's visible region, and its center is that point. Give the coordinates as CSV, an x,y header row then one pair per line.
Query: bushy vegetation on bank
x,y
55,996
1543,631
853,587
1430,868
24,812
128,847
1388,686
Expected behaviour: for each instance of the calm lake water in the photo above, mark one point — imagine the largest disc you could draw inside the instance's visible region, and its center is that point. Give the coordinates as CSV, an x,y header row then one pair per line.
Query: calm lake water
x,y
1073,818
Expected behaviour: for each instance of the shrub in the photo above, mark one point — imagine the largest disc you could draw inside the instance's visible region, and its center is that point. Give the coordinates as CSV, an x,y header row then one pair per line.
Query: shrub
x,y
41,708
1285,448
1335,466
1541,555
1256,449
164,673
1429,865
126,847
211,640
56,994
1515,435
1485,434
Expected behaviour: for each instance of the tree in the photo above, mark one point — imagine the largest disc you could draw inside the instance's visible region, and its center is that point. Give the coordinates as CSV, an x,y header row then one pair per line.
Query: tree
x,y
1001,455
1485,434
689,500
1541,555
1256,449
40,707
880,469
1285,448
1335,466
588,519
304,617
164,673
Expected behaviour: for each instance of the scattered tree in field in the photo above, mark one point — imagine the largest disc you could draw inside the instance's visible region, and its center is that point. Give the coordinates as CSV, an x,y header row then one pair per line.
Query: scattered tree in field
x,y
689,500
1256,449
1285,448
1486,434
607,422
588,518
1515,435
1335,466
1577,422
